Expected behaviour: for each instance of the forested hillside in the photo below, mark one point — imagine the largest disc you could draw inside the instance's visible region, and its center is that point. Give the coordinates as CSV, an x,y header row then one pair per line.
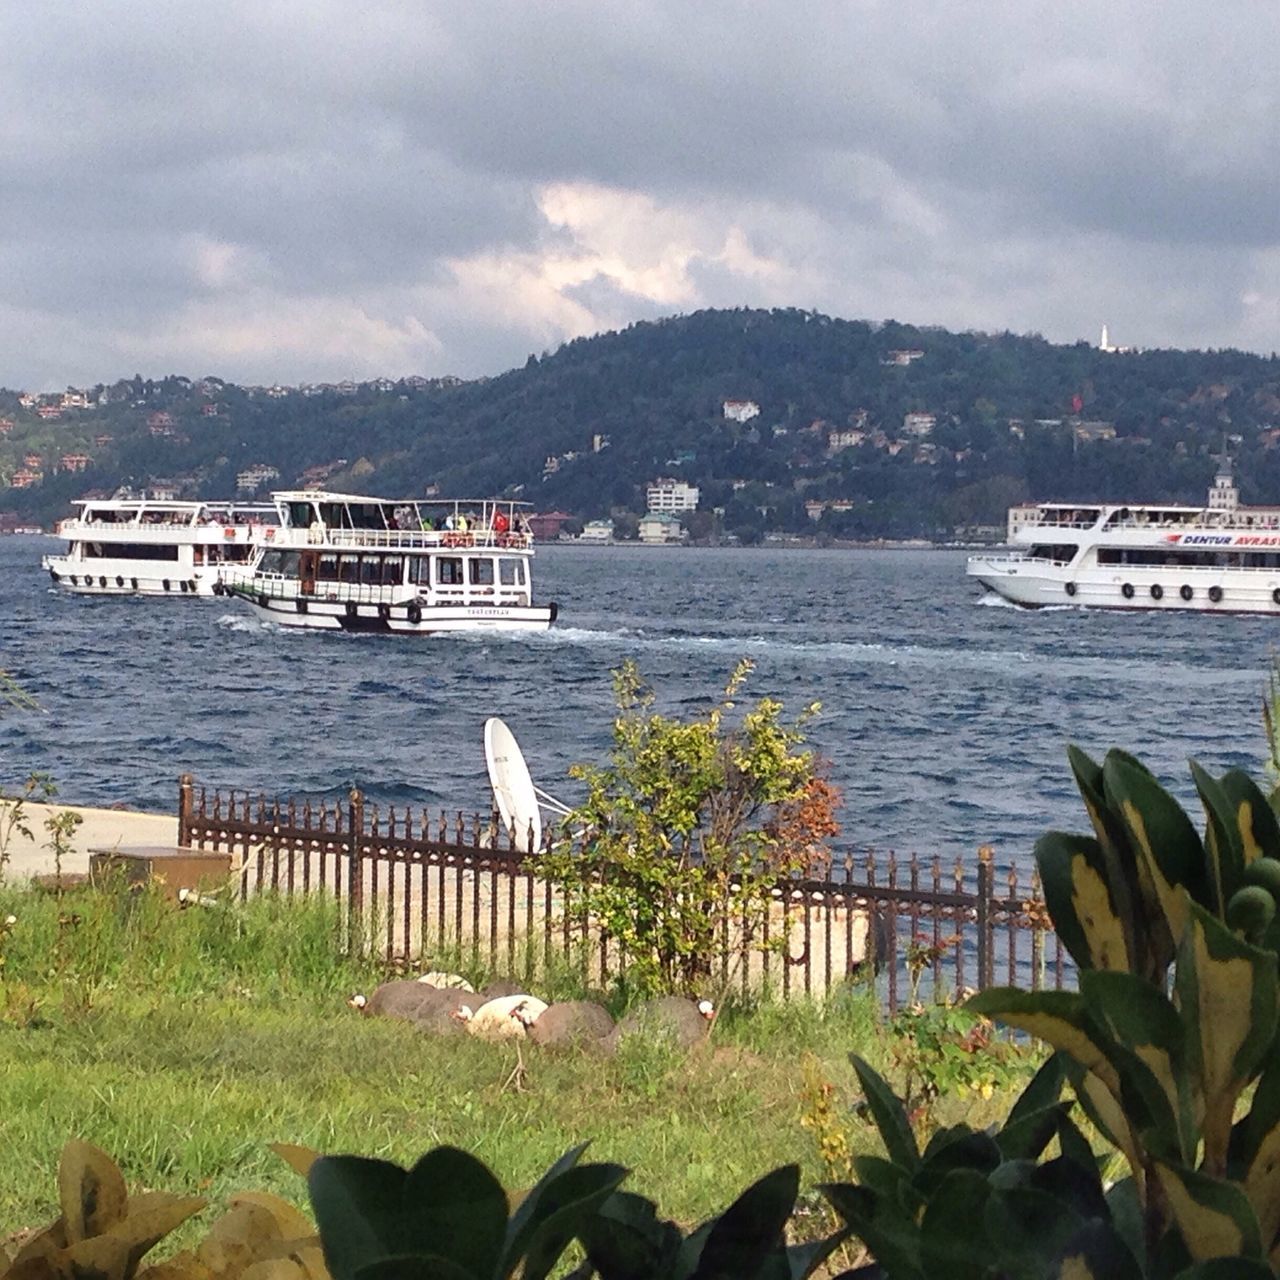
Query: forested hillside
x,y
881,429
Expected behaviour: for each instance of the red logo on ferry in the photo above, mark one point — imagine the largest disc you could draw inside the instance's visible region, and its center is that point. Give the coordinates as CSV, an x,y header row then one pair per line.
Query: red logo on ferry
x,y
1173,537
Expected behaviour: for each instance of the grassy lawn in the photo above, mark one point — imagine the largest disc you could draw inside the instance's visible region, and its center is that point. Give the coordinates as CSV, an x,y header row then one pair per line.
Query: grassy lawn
x,y
184,1042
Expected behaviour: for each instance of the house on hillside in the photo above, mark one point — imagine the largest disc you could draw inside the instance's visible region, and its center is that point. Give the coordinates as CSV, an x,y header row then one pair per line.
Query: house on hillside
x,y
74,461
741,410
546,525
597,531
671,495
251,479
918,425
660,529
24,478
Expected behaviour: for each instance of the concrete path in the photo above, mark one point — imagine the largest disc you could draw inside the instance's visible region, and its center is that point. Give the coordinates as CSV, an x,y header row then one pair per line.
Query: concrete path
x,y
99,829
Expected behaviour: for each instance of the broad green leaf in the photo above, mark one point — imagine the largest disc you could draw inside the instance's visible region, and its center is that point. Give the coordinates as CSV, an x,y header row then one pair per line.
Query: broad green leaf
x,y
453,1207
1226,857
1059,1018
1026,1137
966,1150
1255,819
1074,877
1214,1217
626,1240
1256,1146
892,1236
357,1203
1125,1210
1072,1184
523,1219
565,1203
1162,835
1142,1020
1227,1269
1095,1252
889,1115
413,1266
1227,997
953,1238
1043,1089
889,1181
1028,1227
751,1228
1102,1106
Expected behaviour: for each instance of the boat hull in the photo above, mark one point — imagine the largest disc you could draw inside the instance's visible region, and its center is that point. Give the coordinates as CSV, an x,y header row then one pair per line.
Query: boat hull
x,y
1135,587
126,578
396,619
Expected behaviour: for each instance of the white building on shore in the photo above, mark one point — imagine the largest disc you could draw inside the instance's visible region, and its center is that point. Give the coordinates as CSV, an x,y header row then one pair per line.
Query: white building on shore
x,y
672,496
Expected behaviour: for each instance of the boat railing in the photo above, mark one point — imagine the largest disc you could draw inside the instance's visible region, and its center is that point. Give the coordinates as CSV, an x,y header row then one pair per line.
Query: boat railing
x,y
159,530
404,539
1013,558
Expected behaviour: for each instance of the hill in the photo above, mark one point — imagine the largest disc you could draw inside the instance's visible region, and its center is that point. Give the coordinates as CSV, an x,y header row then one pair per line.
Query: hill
x,y
869,429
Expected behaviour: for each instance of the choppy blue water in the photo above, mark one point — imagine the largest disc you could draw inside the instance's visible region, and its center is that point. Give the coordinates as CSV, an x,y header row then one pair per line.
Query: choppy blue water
x,y
945,719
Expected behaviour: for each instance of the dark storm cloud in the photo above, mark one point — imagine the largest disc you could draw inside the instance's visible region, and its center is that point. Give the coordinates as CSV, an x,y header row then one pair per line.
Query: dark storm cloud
x,y
293,191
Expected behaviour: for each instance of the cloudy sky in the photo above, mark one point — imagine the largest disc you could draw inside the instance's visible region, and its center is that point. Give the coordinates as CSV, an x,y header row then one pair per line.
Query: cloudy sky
x,y
279,190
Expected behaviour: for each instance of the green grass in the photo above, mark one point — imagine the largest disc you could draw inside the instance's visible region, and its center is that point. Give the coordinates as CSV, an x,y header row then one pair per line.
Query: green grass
x,y
184,1042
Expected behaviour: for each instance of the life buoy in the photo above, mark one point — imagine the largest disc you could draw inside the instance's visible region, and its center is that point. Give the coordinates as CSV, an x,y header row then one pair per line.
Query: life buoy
x,y
119,580
102,581
1275,595
1185,591
414,613
300,605
1127,591
228,533
191,586
1071,588
1215,594
133,582
262,601
218,588
53,573
1157,591
182,586
384,611
352,609
165,584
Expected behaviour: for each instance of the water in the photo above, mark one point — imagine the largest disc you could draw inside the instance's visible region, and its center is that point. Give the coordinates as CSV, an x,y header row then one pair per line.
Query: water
x,y
945,719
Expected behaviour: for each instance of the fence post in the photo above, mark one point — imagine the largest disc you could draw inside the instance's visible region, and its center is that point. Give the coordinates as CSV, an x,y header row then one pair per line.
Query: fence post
x,y
185,788
986,884
355,869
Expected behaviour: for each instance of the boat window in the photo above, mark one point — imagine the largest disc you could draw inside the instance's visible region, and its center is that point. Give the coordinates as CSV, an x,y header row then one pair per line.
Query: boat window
x,y
448,571
420,569
481,571
289,563
511,571
271,562
1049,551
371,570
300,514
129,551
392,571
327,570
348,568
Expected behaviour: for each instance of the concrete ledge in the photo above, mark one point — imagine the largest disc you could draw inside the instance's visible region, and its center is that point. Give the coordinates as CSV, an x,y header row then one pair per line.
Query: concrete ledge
x,y
99,829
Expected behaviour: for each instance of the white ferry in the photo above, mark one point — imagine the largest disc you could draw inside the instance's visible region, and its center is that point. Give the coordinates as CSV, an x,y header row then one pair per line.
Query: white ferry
x,y
134,546
1223,558
355,563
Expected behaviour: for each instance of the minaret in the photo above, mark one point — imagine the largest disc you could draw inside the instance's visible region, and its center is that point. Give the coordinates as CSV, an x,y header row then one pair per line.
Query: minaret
x,y
1224,496
1105,343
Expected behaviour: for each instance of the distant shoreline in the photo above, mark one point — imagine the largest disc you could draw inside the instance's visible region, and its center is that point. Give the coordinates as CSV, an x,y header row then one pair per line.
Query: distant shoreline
x,y
796,544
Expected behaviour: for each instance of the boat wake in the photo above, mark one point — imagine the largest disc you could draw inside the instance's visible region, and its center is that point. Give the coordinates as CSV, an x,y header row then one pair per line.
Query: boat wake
x,y
243,622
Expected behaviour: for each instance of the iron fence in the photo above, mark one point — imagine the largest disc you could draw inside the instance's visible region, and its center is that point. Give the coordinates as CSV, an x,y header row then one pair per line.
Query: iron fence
x,y
416,885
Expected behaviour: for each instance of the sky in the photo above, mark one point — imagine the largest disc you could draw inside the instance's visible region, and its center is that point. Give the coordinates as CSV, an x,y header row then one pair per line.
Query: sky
x,y
286,192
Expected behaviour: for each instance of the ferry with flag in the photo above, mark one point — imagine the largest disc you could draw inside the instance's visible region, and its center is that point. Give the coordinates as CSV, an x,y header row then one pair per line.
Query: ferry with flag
x,y
355,563
1220,558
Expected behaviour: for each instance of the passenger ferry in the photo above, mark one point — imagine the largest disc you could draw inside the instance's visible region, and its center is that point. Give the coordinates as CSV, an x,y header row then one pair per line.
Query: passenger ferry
x,y
355,563
136,546
1223,558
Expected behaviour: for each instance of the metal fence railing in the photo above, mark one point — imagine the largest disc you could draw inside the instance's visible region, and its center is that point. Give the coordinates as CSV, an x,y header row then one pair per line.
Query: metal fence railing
x,y
416,885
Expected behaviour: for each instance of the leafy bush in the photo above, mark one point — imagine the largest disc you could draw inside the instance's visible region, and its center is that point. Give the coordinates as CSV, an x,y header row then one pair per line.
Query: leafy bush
x,y
687,830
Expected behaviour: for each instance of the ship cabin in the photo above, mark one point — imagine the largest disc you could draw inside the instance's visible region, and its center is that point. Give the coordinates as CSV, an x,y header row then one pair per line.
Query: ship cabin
x,y
358,550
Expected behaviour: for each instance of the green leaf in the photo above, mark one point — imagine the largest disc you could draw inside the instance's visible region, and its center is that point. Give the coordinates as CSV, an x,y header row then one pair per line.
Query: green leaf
x,y
1144,1022
357,1206
1214,1217
889,1115
1227,997
626,1240
1026,1137
892,1236
1161,834
1126,1212
1043,1089
1060,1018
1027,1227
751,1228
1222,843
965,1150
1074,876
1227,1269
520,1225
888,1180
1255,1149
455,1208
953,1232
1095,1252
1255,820
564,1204
413,1266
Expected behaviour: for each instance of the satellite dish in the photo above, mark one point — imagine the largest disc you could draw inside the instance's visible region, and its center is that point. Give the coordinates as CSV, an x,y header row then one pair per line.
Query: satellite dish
x,y
513,789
